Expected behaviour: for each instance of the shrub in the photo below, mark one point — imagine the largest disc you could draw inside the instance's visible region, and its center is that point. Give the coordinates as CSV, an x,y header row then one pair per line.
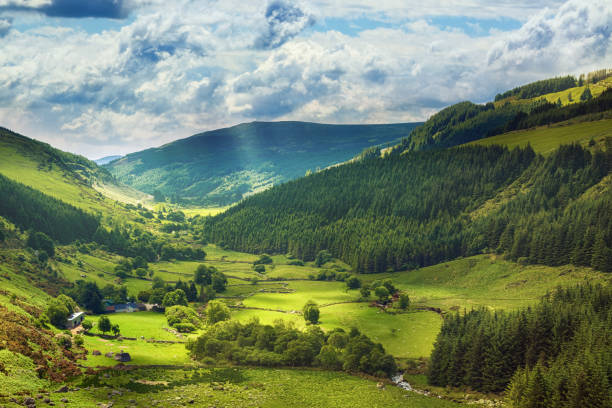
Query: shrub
x,y
216,312
353,283
179,314
185,327
263,260
176,297
311,312
259,269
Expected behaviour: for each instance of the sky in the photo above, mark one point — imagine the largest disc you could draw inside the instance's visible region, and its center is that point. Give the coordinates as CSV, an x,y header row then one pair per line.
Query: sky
x,y
107,77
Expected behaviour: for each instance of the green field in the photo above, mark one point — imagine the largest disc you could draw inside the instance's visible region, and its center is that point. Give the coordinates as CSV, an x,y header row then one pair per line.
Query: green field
x,y
149,325
486,280
546,139
141,352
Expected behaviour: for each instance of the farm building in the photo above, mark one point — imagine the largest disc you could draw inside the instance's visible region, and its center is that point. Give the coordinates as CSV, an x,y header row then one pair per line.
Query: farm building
x,y
75,320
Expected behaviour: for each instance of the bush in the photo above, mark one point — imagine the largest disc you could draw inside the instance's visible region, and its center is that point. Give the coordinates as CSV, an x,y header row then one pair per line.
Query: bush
x,y
64,340
40,240
176,315
353,283
177,297
263,260
311,312
404,301
322,258
259,269
78,340
216,312
185,327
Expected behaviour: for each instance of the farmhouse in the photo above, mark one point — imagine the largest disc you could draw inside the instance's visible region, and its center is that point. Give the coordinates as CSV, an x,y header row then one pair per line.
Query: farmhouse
x,y
75,320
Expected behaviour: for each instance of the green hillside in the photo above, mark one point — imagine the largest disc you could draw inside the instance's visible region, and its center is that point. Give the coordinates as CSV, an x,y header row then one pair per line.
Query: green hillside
x,y
547,139
65,176
540,103
221,167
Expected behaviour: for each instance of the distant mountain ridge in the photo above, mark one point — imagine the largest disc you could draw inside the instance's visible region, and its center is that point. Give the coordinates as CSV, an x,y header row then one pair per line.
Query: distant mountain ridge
x,y
222,166
105,160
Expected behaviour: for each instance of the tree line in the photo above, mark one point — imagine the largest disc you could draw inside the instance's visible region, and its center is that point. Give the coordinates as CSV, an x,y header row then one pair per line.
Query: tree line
x,y
30,209
419,208
555,354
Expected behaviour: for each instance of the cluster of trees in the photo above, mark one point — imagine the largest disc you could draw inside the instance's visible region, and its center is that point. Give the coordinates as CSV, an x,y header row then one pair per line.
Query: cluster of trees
x,y
539,88
30,209
417,209
208,278
138,266
105,326
133,242
59,309
556,354
282,345
42,243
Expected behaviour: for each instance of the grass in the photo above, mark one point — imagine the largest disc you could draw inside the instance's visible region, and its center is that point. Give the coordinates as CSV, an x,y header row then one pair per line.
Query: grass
x,y
19,374
148,324
546,139
319,292
406,335
203,212
241,387
486,280
24,168
141,352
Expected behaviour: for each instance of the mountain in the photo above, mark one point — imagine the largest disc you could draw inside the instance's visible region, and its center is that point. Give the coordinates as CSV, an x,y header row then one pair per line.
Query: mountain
x,y
106,160
68,177
222,166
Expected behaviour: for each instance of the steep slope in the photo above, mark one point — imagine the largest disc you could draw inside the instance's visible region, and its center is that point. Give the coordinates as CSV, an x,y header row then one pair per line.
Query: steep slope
x,y
65,176
223,166
422,208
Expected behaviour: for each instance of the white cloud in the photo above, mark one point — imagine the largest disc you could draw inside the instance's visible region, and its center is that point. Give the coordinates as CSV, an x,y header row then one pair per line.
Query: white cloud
x,y
188,66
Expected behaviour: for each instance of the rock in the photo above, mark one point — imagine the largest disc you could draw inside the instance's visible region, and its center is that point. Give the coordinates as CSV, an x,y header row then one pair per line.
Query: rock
x,y
64,400
63,389
191,401
380,386
29,402
96,353
47,400
39,396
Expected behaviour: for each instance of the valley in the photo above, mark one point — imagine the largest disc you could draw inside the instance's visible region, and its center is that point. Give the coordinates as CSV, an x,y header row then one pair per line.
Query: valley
x,y
472,267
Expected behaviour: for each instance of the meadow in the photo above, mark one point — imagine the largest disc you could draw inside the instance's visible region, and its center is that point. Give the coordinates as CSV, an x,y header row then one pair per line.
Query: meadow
x,y
238,387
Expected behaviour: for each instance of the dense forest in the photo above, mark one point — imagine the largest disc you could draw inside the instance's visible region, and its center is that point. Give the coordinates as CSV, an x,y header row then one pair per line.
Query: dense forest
x,y
30,209
419,208
556,354
466,121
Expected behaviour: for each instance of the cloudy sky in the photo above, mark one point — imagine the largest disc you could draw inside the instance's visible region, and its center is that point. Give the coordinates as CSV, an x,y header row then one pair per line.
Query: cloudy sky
x,y
102,77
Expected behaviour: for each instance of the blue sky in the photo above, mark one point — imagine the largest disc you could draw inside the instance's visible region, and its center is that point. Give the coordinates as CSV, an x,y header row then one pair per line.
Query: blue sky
x,y
104,77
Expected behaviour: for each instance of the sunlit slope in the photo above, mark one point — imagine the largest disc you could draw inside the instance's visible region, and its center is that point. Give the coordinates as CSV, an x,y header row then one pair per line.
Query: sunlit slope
x,y
220,167
546,139
67,177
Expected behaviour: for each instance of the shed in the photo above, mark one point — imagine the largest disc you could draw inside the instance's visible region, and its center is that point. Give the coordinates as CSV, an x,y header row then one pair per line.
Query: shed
x,y
75,320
